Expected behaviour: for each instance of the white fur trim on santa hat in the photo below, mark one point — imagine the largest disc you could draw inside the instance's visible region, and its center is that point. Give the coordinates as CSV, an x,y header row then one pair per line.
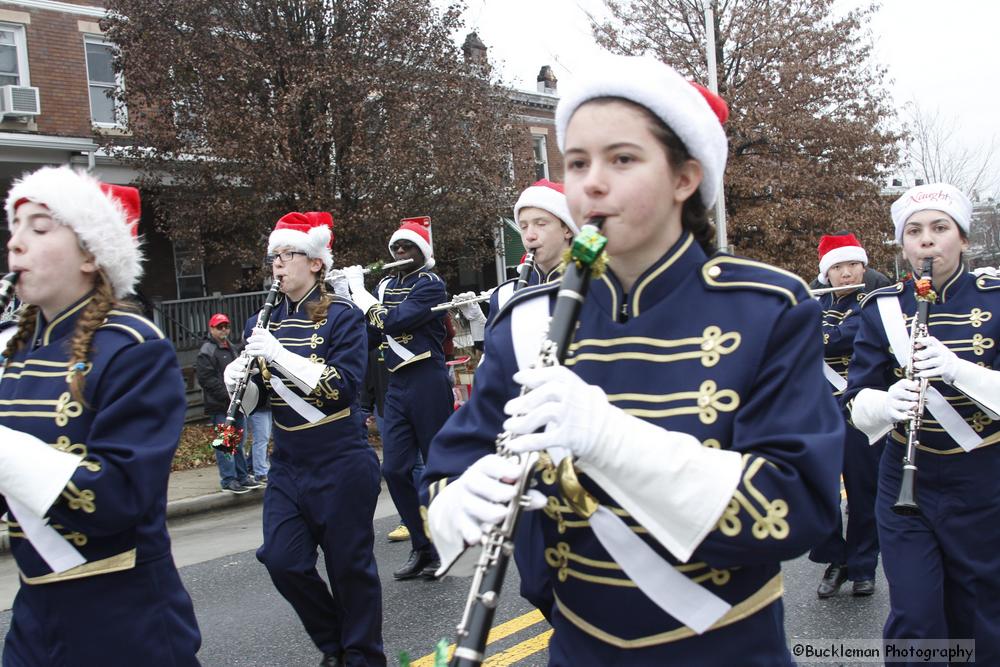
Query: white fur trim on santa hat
x,y
933,196
420,241
850,253
659,88
315,244
547,199
101,223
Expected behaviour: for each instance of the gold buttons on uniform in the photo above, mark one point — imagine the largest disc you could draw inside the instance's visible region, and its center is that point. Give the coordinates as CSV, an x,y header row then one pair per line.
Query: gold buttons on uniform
x,y
714,272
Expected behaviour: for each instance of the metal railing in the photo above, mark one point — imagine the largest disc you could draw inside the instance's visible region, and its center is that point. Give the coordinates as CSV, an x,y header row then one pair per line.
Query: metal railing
x,y
185,321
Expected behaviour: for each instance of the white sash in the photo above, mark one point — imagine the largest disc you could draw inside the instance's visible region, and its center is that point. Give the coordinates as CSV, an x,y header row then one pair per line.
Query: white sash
x,y
400,351
833,377
504,292
57,553
895,330
308,412
688,602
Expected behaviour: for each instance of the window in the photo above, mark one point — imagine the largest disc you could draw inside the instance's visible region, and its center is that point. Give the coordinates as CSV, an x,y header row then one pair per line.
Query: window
x,y
190,271
13,56
103,83
541,156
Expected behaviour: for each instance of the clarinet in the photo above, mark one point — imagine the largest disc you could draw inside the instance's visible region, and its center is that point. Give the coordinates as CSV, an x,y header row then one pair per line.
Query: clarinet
x,y
498,543
524,271
906,502
229,438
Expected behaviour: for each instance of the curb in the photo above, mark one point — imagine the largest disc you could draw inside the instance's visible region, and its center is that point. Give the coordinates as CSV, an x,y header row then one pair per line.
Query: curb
x,y
184,507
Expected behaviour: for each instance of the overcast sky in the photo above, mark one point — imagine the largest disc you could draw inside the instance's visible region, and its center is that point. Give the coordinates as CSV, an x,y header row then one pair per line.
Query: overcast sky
x,y
944,55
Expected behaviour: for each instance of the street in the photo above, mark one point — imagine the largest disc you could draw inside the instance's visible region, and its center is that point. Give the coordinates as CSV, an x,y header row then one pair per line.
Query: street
x,y
244,622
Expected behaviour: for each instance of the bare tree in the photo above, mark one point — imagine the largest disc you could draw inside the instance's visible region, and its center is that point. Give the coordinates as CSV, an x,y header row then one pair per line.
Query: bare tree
x,y
810,127
937,154
242,111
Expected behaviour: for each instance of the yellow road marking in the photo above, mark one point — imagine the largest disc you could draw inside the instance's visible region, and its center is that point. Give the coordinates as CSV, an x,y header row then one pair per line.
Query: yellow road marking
x,y
501,631
520,651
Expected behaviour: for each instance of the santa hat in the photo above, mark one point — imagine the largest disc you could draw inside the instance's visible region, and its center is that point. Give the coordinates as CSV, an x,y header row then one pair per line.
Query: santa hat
x,y
934,196
692,112
834,249
418,232
105,218
548,196
311,233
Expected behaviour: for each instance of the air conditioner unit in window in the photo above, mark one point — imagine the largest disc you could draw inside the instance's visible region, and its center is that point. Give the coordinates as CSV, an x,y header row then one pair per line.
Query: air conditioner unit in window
x,y
19,101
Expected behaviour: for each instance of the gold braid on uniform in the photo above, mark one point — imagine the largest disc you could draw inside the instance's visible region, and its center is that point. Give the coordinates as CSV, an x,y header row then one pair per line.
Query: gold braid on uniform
x,y
318,309
91,318
26,322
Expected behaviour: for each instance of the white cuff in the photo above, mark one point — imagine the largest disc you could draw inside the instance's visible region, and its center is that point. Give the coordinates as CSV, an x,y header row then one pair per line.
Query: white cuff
x,y
364,300
868,414
457,559
304,373
672,485
980,384
477,329
32,472
250,397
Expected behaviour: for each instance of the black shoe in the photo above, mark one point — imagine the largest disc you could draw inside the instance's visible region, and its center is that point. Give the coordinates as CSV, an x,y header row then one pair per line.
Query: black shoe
x,y
863,588
330,660
235,487
414,566
250,483
429,571
833,579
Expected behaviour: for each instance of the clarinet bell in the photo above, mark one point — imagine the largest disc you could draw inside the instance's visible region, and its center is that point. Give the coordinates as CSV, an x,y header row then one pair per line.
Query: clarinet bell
x,y
906,502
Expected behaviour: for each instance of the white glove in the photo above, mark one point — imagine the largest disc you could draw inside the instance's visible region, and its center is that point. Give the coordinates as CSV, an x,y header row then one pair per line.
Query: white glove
x,y
673,486
234,372
466,508
573,411
901,400
935,360
990,271
355,278
338,281
262,343
471,311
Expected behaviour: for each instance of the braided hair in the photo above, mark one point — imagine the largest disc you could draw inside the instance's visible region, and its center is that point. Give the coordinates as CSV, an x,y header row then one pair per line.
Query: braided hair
x,y
317,310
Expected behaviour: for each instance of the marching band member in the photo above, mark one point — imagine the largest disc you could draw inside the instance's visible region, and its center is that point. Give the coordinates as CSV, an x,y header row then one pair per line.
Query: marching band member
x,y
91,409
324,482
419,397
943,565
709,447
842,261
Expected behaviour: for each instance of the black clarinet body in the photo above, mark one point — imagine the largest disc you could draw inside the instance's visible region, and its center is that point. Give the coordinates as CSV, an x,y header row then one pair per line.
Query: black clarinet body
x,y
524,271
498,544
906,501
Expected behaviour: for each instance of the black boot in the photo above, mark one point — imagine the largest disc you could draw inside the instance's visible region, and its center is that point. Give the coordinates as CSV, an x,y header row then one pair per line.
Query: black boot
x,y
833,579
415,564
863,588
430,570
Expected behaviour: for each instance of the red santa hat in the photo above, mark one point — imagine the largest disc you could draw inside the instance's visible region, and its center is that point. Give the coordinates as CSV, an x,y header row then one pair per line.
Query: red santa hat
x,y
834,249
934,196
105,217
548,196
417,231
310,232
691,111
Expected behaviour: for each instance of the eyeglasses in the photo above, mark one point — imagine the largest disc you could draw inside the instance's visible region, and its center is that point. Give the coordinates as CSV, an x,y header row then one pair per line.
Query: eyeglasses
x,y
285,256
221,326
405,246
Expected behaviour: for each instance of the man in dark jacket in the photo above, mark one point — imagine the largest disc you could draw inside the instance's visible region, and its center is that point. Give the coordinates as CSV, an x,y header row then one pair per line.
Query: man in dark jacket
x,y
213,357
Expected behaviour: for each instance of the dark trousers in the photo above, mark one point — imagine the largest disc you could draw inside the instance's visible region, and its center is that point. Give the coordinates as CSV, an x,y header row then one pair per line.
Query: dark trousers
x,y
943,566
417,404
141,616
331,507
860,548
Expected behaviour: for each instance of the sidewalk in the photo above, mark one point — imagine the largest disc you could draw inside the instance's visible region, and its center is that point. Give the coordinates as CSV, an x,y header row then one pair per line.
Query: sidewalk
x,y
188,492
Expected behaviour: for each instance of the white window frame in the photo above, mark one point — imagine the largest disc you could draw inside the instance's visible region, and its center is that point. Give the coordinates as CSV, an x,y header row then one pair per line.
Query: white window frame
x,y
538,144
120,111
181,254
21,44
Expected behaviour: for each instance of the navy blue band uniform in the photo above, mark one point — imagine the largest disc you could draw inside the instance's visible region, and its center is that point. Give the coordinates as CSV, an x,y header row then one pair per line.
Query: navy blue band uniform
x,y
323,485
113,510
418,399
739,370
943,567
858,549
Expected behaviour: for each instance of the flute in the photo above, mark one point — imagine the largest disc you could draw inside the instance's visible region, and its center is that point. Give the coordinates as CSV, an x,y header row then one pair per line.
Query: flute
x,y
457,302
826,290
